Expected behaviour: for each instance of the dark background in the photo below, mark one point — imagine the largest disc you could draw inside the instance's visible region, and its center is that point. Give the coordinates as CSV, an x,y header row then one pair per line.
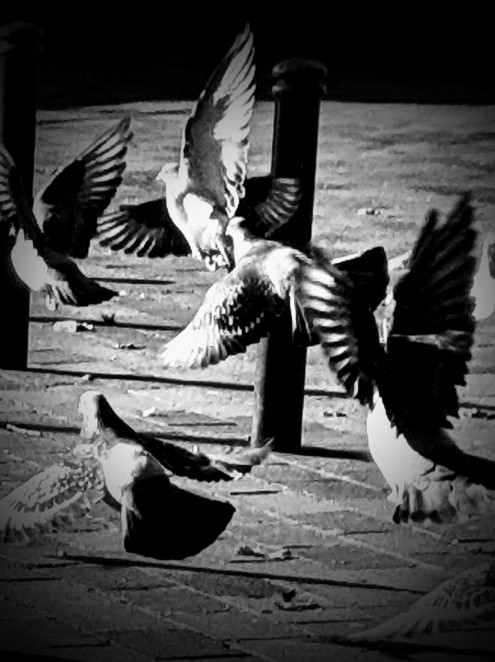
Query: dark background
x,y
108,53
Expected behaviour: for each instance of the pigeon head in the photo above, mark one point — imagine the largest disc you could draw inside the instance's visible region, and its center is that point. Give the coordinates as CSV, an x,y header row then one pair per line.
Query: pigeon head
x,y
91,406
168,172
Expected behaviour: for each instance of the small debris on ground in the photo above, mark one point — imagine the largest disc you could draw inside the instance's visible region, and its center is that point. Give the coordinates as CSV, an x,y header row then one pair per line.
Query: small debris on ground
x,y
148,412
72,326
122,293
246,550
87,377
282,554
29,433
127,345
368,211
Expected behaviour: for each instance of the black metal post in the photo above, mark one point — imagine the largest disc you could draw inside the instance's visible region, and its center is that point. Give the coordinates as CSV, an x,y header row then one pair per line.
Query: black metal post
x,y
19,56
281,367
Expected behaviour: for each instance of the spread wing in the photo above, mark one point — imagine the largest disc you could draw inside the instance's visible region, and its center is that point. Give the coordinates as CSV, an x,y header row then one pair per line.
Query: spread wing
x,y
145,230
341,318
15,209
207,467
462,601
39,267
270,202
188,524
215,139
367,270
45,497
432,330
67,208
237,311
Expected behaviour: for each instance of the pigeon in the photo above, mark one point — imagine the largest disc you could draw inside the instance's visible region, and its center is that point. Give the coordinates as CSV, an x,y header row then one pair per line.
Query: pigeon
x,y
147,230
68,206
37,265
203,190
243,306
483,290
465,600
131,472
409,381
159,519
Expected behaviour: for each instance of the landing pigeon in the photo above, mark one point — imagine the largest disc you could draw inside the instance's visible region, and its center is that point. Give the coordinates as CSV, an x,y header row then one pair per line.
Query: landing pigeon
x,y
409,383
243,306
40,267
132,473
158,519
203,190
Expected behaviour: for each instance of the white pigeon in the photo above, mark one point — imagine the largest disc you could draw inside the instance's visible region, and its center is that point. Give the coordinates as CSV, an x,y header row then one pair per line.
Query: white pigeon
x,y
204,189
409,382
40,267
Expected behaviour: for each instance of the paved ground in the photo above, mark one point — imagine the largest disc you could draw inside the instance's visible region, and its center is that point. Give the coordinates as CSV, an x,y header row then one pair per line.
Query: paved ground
x,y
76,595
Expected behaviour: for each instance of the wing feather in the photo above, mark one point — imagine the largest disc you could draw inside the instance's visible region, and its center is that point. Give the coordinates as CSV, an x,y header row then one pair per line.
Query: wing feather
x,y
429,345
215,139
237,311
127,228
67,208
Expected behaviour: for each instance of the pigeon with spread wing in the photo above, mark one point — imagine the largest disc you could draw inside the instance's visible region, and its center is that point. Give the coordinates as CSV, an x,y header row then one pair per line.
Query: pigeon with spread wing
x,y
133,472
243,306
67,207
208,185
38,266
465,600
409,382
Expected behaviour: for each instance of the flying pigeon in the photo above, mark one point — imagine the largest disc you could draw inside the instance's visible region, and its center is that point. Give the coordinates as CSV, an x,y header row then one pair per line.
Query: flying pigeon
x,y
462,601
147,229
131,472
203,190
409,382
243,306
40,267
68,206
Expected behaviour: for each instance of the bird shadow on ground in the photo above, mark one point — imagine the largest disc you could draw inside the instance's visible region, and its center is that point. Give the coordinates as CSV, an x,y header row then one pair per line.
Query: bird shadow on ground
x,y
333,453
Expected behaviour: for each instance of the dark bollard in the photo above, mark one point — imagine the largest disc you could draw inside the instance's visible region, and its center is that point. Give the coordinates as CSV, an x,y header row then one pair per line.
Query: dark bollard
x,y
19,56
281,366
